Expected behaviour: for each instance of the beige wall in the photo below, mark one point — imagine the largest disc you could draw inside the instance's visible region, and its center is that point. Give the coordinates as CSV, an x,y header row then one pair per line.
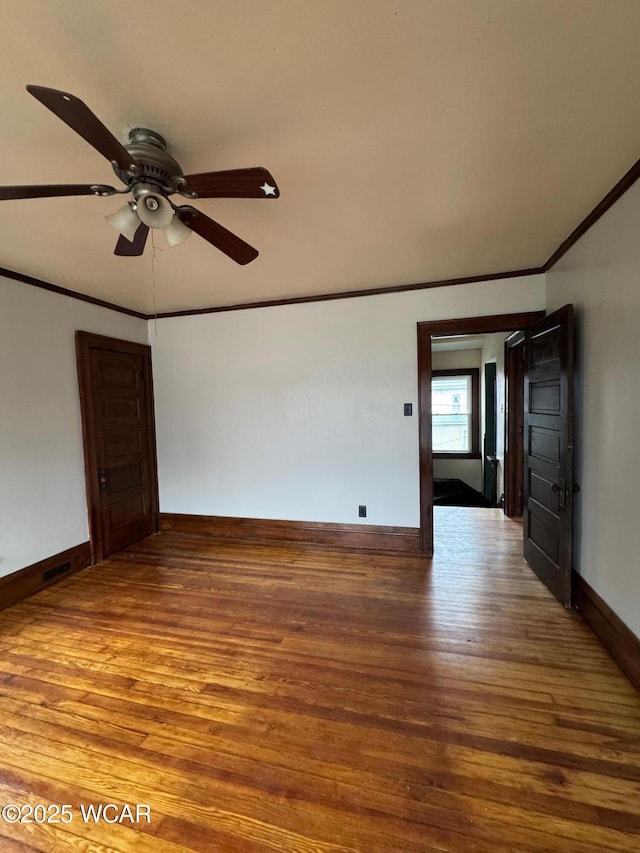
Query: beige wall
x,y
600,275
453,359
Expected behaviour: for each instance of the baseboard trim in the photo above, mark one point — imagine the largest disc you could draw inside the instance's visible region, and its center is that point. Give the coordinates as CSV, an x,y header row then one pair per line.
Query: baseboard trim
x,y
25,582
358,537
619,640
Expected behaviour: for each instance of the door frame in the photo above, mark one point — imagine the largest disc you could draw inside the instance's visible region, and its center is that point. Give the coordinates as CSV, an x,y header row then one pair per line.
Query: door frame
x,y
460,326
85,341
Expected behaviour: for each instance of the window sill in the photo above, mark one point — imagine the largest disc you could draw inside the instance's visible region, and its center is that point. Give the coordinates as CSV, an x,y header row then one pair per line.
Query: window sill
x,y
457,455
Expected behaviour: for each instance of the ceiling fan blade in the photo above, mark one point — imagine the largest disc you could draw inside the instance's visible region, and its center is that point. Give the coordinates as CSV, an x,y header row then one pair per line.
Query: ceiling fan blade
x,y
234,183
132,248
75,113
49,190
217,235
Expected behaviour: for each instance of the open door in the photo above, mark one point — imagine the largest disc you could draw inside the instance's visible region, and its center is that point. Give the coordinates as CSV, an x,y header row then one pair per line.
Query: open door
x,y
490,440
548,451
514,368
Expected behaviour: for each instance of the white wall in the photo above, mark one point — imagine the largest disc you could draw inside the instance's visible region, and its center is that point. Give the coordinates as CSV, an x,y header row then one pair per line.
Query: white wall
x,y
467,470
296,412
42,488
601,276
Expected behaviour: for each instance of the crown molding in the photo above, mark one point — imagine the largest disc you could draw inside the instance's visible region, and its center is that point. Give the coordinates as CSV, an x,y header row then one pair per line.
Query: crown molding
x,y
351,294
625,183
64,291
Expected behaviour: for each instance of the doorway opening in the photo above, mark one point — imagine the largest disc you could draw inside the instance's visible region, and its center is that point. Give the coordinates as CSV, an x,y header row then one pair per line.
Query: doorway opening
x,y
477,393
546,430
462,441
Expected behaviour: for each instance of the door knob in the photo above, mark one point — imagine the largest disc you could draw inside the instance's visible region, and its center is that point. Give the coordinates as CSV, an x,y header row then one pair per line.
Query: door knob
x,y
102,479
561,486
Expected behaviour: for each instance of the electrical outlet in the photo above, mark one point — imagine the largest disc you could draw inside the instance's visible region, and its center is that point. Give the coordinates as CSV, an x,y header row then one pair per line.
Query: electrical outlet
x,y
408,410
362,511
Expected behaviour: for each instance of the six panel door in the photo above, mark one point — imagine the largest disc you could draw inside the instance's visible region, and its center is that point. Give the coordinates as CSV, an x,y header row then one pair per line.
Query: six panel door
x,y
119,441
548,451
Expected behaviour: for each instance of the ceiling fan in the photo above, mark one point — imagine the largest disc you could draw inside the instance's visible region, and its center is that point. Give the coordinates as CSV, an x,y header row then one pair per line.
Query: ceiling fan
x,y
151,176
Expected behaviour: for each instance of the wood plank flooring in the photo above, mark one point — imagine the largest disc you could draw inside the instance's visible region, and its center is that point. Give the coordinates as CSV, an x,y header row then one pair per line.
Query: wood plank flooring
x,y
283,699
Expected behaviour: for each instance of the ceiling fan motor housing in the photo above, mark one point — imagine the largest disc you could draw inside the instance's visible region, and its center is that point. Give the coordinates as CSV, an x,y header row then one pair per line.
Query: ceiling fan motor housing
x,y
148,148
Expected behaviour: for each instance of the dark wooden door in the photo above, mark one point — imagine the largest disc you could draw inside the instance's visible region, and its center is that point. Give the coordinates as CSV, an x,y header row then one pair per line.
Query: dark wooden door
x,y
116,395
489,444
514,425
548,451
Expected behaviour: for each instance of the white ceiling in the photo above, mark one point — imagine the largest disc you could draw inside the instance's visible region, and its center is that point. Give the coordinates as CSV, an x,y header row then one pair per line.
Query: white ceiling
x,y
413,140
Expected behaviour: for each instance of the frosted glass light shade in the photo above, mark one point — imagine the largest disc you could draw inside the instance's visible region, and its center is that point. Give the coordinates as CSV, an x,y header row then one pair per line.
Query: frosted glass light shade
x,y
176,231
125,221
159,212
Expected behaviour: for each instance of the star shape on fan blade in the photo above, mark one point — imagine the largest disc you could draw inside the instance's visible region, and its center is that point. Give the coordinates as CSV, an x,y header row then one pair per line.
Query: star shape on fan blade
x,y
267,189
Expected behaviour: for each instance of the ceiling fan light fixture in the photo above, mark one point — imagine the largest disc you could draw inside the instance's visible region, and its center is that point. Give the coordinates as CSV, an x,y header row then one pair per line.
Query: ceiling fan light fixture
x,y
153,209
125,221
176,231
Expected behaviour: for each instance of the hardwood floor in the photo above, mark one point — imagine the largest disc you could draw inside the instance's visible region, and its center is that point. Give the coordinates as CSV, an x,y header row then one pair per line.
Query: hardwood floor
x,y
283,699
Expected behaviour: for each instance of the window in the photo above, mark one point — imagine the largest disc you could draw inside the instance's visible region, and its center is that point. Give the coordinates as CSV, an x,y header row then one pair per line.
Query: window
x,y
455,413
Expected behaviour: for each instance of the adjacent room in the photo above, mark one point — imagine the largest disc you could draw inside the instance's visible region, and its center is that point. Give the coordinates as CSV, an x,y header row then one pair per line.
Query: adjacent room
x,y
318,421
